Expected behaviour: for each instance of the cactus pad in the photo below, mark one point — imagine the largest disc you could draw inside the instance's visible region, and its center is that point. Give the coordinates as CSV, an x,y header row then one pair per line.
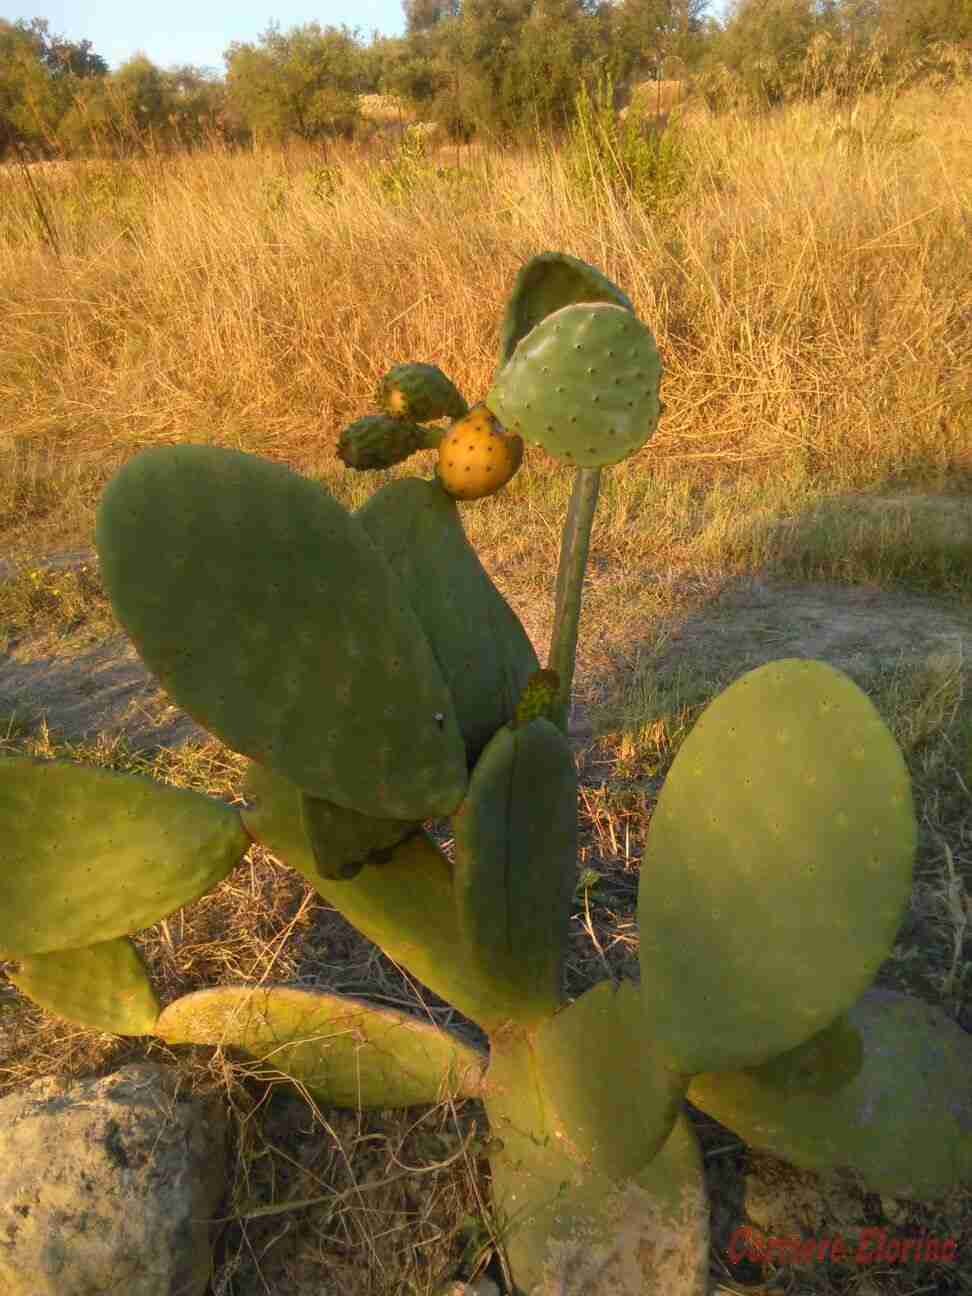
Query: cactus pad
x,y
567,1227
476,457
67,828
347,1052
547,283
404,904
105,987
265,611
776,870
343,841
420,391
614,1119
516,864
903,1123
822,1065
482,650
583,385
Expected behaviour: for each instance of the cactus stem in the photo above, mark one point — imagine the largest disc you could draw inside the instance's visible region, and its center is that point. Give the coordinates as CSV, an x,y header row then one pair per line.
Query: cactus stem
x,y
570,583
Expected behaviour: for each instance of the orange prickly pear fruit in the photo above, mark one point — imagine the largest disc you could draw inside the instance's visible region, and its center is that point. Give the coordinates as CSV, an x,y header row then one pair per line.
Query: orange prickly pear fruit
x,y
476,457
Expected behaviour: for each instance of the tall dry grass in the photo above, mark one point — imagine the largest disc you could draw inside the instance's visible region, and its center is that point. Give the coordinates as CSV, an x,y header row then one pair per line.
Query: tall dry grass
x,y
812,299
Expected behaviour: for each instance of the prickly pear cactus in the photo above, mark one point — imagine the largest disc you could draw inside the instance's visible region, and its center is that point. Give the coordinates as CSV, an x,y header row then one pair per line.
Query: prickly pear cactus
x,y
420,391
376,679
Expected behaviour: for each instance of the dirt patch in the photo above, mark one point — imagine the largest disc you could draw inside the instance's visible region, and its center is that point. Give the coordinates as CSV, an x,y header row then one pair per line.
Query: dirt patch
x,y
83,689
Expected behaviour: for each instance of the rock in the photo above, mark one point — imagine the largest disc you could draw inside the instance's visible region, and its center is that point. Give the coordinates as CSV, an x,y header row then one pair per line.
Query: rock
x,y
481,1287
105,1186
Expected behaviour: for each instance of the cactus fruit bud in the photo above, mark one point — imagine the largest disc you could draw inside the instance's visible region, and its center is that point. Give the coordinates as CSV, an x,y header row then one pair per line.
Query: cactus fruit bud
x,y
476,457
420,391
537,698
378,441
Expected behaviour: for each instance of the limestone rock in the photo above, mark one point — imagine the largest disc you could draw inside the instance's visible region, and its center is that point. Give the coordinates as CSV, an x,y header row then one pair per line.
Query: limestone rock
x,y
105,1186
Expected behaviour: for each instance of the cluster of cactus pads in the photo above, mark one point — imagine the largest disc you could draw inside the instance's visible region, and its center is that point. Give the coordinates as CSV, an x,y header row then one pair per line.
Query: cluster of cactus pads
x,y
377,680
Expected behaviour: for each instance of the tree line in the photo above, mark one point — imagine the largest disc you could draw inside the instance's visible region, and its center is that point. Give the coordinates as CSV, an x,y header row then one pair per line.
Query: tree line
x,y
496,69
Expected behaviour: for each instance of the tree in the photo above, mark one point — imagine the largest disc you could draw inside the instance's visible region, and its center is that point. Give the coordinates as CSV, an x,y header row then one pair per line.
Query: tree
x,y
422,15
61,56
30,103
305,82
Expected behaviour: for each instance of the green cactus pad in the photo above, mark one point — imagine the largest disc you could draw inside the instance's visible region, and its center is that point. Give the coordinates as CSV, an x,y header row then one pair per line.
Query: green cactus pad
x,y
345,1051
91,854
266,612
537,699
547,283
105,987
404,903
379,441
614,1119
567,1227
482,650
776,870
420,391
583,385
904,1123
343,841
516,864
822,1065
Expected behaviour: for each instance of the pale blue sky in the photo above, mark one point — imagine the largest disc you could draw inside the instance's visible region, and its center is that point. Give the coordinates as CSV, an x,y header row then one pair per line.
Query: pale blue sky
x,y
198,31
195,31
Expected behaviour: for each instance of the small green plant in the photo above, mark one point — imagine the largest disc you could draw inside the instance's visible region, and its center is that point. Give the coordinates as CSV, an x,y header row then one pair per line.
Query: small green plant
x,y
631,158
274,192
376,678
323,181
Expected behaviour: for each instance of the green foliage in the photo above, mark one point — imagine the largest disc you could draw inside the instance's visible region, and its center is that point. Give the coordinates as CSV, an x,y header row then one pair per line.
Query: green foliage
x,y
324,181
627,159
411,172
303,83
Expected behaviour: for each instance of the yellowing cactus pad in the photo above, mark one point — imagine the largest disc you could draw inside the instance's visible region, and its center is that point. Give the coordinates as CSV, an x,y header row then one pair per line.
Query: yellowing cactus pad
x,y
476,457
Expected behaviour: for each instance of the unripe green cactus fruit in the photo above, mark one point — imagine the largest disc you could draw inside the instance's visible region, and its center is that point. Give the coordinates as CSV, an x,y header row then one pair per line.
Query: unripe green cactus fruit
x,y
420,391
476,457
379,441
583,385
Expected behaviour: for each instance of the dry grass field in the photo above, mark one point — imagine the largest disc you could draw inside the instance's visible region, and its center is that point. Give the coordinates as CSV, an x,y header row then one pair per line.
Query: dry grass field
x,y
808,493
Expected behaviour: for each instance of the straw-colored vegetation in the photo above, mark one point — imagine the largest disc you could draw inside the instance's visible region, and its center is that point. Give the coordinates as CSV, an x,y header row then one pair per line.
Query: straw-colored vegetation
x,y
808,278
